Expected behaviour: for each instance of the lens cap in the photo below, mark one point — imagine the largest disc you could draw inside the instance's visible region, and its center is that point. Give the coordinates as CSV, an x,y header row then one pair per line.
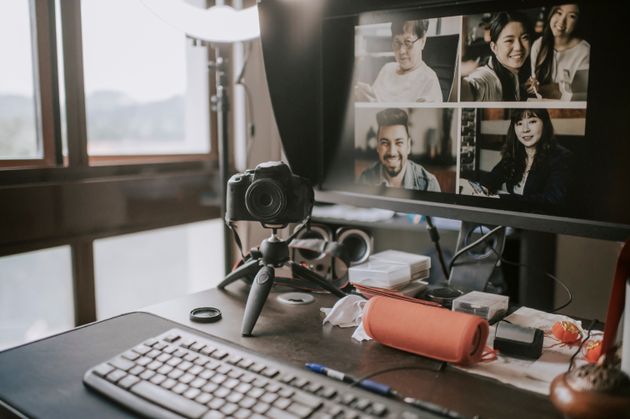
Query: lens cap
x,y
205,314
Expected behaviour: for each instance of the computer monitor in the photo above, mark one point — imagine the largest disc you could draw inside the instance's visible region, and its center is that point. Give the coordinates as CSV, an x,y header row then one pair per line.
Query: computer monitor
x,y
450,108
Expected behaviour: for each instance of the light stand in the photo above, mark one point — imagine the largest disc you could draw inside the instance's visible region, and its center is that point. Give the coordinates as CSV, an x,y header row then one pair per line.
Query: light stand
x,y
220,105
273,253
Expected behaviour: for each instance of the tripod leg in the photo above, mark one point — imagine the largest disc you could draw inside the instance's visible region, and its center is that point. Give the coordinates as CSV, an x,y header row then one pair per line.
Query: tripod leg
x,y
304,273
256,299
248,269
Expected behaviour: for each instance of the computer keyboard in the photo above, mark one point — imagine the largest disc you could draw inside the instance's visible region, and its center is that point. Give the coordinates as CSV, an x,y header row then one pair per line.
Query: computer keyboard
x,y
183,374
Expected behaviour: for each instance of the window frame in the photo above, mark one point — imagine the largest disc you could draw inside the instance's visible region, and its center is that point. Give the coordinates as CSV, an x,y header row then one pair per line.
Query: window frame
x,y
77,199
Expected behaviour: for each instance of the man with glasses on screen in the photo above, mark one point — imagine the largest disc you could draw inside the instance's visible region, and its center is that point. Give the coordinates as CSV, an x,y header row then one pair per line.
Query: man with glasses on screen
x,y
394,169
409,78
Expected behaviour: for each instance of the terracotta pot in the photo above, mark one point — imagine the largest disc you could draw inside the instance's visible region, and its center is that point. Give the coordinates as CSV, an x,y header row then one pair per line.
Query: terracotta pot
x,y
592,392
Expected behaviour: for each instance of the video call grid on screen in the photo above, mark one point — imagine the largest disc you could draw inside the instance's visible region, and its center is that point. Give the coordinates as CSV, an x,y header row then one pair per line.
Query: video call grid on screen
x,y
445,71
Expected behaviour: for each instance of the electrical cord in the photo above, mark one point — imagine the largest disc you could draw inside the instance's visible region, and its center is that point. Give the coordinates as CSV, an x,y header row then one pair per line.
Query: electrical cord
x,y
435,238
473,244
440,368
547,274
588,336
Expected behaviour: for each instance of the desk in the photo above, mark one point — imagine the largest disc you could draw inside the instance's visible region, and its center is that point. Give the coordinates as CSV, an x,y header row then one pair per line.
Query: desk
x,y
290,332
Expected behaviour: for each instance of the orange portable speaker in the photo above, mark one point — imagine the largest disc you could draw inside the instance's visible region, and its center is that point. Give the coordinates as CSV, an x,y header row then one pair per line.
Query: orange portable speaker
x,y
425,330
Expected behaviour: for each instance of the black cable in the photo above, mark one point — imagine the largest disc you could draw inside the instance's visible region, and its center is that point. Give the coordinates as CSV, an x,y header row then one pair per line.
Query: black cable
x,y
588,336
440,368
237,239
547,274
473,244
434,234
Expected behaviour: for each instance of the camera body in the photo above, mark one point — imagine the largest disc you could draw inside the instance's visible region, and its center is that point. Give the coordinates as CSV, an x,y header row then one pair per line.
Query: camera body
x,y
270,194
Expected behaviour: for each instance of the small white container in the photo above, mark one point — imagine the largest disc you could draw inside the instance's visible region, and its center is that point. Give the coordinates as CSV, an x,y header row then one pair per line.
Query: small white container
x,y
380,274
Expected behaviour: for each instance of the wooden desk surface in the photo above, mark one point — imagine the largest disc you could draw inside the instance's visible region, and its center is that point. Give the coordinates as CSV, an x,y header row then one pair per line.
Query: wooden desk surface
x,y
295,334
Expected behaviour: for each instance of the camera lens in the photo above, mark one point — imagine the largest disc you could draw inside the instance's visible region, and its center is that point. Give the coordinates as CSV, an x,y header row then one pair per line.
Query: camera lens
x,y
265,200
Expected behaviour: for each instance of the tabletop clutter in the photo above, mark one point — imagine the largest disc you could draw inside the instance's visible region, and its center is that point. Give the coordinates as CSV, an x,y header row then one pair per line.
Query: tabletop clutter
x,y
526,349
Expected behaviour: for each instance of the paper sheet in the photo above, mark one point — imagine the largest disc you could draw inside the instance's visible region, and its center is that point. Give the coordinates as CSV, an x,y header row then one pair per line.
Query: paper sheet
x,y
536,375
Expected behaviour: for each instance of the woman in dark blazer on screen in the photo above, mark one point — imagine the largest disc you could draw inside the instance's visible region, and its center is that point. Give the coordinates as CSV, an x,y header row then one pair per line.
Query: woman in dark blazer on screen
x,y
533,167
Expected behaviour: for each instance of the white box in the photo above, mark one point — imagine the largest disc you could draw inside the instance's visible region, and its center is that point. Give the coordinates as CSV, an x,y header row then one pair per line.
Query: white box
x,y
482,304
380,274
419,265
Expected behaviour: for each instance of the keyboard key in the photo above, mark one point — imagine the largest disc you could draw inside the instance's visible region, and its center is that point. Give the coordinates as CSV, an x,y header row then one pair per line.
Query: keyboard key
x,y
231,383
171,338
179,388
300,410
122,363
213,414
224,369
191,393
261,408
378,409
175,374
307,399
272,387
247,402
203,398
245,363
216,403
169,349
243,414
300,382
282,403
286,392
144,361
158,379
206,374
243,388
185,366
163,357
234,397
328,392
222,392
128,381
190,357
196,346
235,373
313,388
207,350
362,404
234,359
154,365
142,349
269,397
169,383
256,367
167,399
198,383
218,354
164,369
276,413
115,376
186,378
260,382
229,409
147,374
103,369
256,393
131,355
270,372
154,353
151,342
173,362
210,387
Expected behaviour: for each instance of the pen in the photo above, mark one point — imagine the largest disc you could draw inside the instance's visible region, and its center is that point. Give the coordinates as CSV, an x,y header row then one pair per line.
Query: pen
x,y
384,390
373,386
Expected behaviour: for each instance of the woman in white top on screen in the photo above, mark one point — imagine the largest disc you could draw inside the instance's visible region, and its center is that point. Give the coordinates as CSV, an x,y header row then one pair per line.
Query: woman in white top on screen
x,y
560,58
505,75
409,78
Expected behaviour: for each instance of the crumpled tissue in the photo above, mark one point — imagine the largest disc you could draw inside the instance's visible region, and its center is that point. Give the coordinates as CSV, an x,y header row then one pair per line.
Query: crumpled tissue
x,y
348,312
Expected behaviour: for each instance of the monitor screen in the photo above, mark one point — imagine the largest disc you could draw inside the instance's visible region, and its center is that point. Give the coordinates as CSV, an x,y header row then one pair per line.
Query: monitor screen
x,y
490,112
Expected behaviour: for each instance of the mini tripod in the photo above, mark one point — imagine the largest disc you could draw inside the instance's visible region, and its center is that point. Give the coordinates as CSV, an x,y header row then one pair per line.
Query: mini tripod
x,y
273,253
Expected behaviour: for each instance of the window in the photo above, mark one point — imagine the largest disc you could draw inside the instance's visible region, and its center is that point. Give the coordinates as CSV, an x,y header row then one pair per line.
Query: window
x,y
18,125
36,298
134,95
137,270
146,90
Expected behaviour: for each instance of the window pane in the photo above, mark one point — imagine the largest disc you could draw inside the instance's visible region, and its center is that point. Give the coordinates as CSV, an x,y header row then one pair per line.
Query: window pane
x,y
18,132
136,270
146,86
36,295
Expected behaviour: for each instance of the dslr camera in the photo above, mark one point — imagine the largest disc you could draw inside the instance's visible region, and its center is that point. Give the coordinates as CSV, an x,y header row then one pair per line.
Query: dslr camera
x,y
270,194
